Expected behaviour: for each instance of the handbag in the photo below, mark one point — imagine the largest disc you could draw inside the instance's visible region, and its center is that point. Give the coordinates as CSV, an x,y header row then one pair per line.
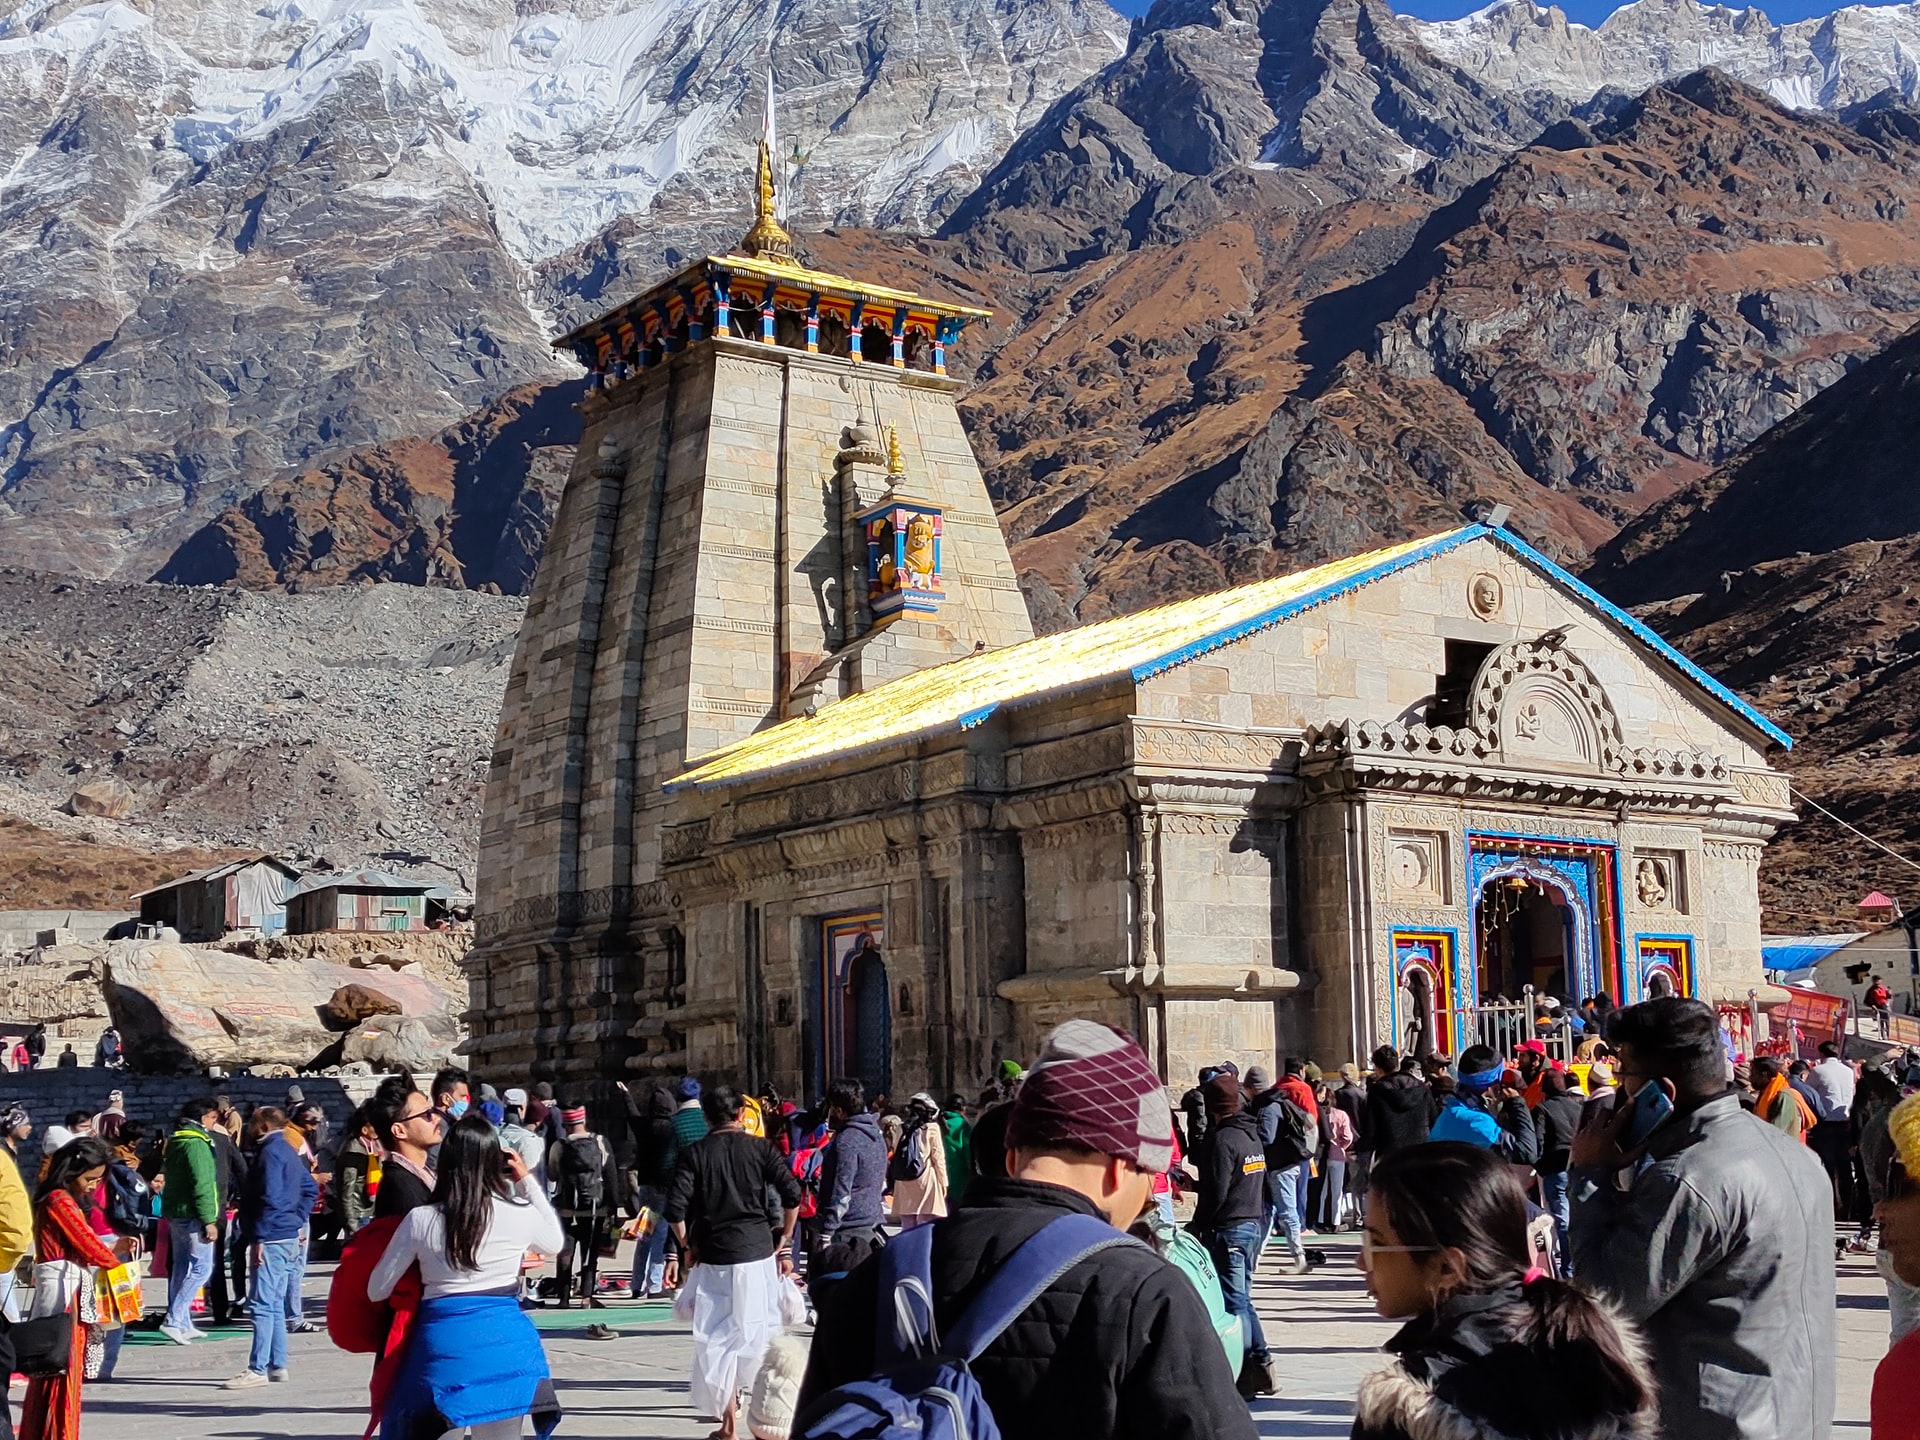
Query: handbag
x,y
43,1342
43,1346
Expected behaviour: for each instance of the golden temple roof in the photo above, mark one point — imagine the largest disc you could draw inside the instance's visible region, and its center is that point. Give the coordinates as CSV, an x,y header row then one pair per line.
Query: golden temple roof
x,y
962,693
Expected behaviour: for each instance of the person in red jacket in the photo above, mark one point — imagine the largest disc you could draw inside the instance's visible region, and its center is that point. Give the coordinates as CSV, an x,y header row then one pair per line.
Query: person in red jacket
x,y
1295,1087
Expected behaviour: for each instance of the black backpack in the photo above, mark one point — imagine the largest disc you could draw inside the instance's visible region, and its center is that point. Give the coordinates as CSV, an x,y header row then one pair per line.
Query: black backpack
x,y
910,1157
1295,1135
581,1183
129,1201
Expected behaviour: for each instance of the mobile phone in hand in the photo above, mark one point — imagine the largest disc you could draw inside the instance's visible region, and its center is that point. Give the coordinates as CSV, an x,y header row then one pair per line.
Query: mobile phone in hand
x,y
1650,1107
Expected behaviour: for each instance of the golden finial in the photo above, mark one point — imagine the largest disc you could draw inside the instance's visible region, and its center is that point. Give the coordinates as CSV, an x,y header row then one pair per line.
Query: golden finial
x,y
766,239
896,467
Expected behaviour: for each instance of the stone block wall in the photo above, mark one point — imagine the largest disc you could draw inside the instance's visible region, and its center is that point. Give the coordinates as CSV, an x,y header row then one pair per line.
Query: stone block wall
x,y
155,1100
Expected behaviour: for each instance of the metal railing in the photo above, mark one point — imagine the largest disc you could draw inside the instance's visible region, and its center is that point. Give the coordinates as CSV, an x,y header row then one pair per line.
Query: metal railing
x,y
1503,1024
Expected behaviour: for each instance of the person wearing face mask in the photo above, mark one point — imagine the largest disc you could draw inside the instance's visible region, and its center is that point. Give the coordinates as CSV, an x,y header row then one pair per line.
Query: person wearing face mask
x,y
1718,1239
1492,1345
1117,1342
452,1098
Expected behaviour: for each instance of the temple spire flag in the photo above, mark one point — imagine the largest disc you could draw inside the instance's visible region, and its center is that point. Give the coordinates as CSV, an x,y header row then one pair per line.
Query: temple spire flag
x,y
771,144
768,238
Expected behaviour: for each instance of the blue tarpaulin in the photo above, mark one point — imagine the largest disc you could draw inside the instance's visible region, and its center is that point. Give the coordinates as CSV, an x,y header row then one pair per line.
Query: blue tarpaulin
x,y
1785,954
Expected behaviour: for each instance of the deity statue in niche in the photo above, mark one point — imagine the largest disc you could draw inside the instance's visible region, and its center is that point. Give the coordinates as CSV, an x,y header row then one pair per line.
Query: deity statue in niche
x,y
1650,884
920,553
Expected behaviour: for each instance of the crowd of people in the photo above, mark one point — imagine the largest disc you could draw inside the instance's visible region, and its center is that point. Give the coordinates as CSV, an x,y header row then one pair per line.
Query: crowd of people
x,y
1637,1237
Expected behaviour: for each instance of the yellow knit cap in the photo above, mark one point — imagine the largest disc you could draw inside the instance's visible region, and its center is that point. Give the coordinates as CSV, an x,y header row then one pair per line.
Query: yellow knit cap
x,y
1904,1126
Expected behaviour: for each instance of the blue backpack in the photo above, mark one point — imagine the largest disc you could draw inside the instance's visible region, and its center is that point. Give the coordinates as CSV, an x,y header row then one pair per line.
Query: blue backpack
x,y
922,1387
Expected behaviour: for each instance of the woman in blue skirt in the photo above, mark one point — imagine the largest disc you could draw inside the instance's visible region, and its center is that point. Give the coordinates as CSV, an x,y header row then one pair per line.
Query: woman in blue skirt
x,y
473,1363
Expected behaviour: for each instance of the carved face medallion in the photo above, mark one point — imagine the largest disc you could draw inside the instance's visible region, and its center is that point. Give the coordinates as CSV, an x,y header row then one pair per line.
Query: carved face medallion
x,y
1484,596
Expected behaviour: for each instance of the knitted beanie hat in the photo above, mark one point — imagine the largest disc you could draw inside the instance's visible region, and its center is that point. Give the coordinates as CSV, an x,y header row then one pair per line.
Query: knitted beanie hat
x,y
1092,1086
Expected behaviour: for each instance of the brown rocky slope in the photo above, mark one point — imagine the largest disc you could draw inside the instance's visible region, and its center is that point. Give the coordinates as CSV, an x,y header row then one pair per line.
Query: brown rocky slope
x,y
1599,320
1793,572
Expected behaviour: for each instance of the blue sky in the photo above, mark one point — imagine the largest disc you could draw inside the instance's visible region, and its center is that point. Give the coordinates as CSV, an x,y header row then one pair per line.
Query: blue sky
x,y
1585,12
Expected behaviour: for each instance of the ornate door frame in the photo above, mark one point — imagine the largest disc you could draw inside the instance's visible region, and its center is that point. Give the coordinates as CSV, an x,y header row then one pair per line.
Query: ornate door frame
x,y
1586,872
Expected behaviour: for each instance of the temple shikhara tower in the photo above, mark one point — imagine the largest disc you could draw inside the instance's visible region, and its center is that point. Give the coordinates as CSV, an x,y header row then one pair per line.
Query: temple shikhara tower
x,y
785,788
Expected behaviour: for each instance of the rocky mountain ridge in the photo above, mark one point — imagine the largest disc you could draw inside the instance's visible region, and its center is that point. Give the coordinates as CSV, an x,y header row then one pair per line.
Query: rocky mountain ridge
x,y
1793,572
1849,57
240,240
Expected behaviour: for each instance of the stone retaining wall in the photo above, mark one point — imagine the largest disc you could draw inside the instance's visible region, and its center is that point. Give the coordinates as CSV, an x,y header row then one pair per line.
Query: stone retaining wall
x,y
156,1099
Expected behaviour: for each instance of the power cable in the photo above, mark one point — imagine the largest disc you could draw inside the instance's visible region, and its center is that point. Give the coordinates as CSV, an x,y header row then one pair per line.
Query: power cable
x,y
1846,825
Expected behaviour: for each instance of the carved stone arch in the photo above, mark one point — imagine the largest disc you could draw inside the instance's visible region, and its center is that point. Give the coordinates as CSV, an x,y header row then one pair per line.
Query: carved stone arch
x,y
1535,699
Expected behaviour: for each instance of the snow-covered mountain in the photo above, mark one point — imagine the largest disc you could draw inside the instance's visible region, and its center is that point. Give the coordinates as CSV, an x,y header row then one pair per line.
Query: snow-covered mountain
x,y
236,236
1841,59
568,115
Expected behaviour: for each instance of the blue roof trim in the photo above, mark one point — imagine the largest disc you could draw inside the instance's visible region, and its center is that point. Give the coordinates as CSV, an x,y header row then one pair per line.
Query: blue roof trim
x,y
1193,649
1645,634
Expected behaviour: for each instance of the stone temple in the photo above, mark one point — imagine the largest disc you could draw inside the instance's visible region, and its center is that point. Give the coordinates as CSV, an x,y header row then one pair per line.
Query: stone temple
x,y
785,787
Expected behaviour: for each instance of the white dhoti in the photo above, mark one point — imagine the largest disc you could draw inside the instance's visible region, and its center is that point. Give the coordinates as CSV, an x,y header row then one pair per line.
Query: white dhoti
x,y
736,1314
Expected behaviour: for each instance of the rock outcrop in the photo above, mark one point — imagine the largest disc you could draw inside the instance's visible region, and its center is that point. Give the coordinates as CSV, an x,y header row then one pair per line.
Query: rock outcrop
x,y
181,1008
1793,571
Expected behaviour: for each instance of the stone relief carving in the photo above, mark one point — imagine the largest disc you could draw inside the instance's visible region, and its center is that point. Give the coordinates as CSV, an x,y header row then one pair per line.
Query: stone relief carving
x,y
1544,674
1485,596
1416,865
1207,748
1764,787
1650,884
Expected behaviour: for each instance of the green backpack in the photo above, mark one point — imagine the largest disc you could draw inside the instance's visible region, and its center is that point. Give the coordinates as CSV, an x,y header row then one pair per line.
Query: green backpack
x,y
1190,1258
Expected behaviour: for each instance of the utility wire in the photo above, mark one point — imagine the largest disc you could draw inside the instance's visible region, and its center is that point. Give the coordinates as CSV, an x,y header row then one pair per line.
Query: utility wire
x,y
1879,845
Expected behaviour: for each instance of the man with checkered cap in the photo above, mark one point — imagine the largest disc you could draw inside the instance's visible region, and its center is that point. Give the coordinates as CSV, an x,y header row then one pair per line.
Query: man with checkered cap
x,y
1119,1345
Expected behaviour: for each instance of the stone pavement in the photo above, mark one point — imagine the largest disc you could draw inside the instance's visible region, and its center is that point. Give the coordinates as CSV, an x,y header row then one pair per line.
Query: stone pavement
x,y
1321,1327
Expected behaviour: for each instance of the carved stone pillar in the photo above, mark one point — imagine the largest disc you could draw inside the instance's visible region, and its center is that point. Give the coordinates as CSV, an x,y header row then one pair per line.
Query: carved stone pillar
x,y
1147,886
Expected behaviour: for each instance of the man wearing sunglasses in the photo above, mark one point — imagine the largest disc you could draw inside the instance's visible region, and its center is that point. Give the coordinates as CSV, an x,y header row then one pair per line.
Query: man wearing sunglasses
x,y
410,1125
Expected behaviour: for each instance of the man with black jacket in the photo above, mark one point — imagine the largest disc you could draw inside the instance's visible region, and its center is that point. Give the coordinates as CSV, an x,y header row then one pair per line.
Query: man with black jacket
x,y
654,1153
1119,1345
1231,1217
227,1286
1397,1105
1556,1122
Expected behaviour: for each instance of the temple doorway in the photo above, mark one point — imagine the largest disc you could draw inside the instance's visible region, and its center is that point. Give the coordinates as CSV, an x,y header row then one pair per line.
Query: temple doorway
x,y
870,1022
1417,1018
1525,937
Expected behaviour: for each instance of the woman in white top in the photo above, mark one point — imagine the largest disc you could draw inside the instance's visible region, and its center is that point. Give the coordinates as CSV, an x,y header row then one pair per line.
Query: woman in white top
x,y
473,1360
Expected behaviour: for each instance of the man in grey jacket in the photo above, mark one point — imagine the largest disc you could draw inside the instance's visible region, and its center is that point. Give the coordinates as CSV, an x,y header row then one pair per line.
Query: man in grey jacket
x,y
853,1174
1721,1245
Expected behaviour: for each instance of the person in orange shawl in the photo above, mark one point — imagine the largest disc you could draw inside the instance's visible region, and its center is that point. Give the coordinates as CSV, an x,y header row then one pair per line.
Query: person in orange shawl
x,y
51,1410
1779,1104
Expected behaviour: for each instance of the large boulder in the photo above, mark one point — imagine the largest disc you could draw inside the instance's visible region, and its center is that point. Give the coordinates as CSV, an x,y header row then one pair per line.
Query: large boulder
x,y
351,1004
181,1008
106,797
404,1044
